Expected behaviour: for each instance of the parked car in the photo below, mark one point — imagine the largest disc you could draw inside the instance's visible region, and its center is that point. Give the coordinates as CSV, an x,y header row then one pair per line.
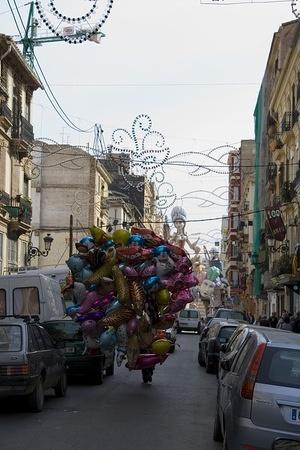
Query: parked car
x,y
258,400
189,320
79,362
226,313
171,334
29,362
209,344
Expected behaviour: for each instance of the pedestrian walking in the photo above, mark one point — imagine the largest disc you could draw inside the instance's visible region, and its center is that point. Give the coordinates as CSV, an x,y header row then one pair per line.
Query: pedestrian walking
x,y
281,320
273,320
287,324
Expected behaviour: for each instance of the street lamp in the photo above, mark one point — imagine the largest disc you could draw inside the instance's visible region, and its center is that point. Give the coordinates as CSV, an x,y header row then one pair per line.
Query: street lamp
x,y
35,251
283,248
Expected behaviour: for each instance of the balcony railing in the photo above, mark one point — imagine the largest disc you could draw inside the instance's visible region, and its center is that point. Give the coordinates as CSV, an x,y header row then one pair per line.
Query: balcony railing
x,y
4,198
23,130
5,112
287,192
289,120
18,208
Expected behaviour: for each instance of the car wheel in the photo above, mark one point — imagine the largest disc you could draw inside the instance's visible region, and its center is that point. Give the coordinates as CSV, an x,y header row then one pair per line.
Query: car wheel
x,y
217,434
200,359
36,398
61,388
209,366
110,370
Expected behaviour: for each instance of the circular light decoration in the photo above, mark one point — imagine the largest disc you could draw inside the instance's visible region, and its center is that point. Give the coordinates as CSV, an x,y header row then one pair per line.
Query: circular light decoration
x,y
74,21
296,8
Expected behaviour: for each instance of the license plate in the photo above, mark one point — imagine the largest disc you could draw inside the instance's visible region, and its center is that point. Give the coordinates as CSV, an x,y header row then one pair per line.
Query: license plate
x,y
70,350
295,415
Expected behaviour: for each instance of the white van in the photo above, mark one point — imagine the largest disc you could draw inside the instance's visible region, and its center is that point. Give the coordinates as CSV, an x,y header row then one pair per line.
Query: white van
x,y
188,320
32,295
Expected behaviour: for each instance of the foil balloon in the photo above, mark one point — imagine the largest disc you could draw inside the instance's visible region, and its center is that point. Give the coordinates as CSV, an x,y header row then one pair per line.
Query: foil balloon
x,y
207,289
133,351
132,326
83,275
108,340
151,239
99,235
136,239
129,272
161,250
213,273
88,327
161,346
113,306
121,285
137,296
145,361
88,302
75,263
152,284
118,317
162,297
92,315
104,271
184,265
85,244
121,237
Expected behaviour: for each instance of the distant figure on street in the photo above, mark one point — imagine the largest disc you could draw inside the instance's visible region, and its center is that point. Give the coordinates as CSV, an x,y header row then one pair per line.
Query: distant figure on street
x,y
296,325
251,318
287,324
273,320
264,322
281,320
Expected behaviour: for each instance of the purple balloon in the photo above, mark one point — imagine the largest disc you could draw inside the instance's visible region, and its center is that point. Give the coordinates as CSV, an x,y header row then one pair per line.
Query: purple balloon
x,y
132,326
88,327
149,360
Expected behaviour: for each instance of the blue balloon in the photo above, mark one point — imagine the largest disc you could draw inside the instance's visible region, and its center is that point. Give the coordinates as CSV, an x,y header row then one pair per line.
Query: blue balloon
x,y
136,239
108,340
86,241
72,309
76,264
160,249
108,244
91,287
150,282
113,306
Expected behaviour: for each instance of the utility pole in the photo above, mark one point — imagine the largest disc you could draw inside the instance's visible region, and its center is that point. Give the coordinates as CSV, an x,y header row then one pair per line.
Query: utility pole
x,y
71,236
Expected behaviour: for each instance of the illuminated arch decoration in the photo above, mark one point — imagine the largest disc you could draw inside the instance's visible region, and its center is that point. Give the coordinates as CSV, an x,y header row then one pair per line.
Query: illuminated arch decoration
x,y
59,16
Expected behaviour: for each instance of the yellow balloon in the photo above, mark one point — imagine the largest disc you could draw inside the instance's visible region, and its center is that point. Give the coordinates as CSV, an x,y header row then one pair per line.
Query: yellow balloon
x,y
163,297
121,236
161,346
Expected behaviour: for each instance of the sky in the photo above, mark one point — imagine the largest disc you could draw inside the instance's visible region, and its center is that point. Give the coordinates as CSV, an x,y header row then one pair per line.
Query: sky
x,y
194,68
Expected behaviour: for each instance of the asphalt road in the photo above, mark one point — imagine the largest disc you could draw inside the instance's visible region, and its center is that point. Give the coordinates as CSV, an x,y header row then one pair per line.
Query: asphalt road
x,y
174,413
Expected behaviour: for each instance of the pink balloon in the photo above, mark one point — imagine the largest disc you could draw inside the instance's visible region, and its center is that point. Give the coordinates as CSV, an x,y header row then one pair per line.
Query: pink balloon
x,y
177,305
148,271
132,327
149,360
130,272
93,300
183,265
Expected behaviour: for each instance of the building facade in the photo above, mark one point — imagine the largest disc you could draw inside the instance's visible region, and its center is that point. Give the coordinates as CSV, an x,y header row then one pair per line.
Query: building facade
x,y
17,84
70,182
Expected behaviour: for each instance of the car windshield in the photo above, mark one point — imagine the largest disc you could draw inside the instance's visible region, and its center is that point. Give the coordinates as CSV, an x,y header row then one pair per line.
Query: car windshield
x,y
64,331
231,315
194,314
280,367
189,313
225,333
184,314
10,338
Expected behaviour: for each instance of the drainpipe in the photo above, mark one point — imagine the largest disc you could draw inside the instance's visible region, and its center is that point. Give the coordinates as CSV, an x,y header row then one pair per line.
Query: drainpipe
x,y
6,53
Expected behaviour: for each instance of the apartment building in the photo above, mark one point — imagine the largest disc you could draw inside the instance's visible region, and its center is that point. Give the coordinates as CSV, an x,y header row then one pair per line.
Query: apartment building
x,y
17,85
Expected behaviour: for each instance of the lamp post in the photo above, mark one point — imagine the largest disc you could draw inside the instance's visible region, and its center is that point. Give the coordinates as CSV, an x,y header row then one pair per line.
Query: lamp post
x,y
35,251
283,248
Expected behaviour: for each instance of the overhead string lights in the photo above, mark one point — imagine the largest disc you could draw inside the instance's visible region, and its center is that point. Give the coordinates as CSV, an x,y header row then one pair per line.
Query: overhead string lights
x,y
296,8
71,28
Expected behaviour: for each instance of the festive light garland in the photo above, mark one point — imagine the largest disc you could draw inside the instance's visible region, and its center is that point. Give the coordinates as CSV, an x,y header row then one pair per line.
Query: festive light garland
x,y
80,19
295,9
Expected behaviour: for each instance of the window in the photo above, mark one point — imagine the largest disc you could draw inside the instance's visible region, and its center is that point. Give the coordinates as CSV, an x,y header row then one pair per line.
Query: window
x,y
23,253
12,253
184,314
46,338
2,302
32,342
26,301
234,248
10,338
244,355
1,253
235,278
225,333
64,330
27,106
38,337
99,185
280,367
236,193
25,186
3,75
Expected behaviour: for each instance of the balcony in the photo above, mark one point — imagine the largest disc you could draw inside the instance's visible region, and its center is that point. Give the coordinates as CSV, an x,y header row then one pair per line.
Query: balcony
x,y
5,116
287,192
18,208
22,136
271,174
288,121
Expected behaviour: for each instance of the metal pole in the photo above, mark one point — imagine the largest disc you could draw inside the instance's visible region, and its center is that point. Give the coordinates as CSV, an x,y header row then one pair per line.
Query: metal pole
x,y
71,236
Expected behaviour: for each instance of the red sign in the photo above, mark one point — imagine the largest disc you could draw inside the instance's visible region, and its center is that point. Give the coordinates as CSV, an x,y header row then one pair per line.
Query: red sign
x,y
276,223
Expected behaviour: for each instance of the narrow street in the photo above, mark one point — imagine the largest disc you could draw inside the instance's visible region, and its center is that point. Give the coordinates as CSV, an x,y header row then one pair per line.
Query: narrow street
x,y
175,412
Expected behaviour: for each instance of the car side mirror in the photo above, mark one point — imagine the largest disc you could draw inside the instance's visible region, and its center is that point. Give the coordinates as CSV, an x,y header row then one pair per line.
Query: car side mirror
x,y
226,364
223,348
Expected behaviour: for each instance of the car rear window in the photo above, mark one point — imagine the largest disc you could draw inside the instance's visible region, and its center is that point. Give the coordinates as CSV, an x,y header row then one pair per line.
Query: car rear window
x,y
10,338
194,314
26,301
2,302
189,314
64,331
231,315
280,367
184,314
225,333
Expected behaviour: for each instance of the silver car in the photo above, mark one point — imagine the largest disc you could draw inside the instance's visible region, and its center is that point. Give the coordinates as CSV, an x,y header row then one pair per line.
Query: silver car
x,y
258,401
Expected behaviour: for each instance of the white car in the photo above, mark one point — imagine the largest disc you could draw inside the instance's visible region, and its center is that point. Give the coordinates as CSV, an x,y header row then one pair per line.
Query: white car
x,y
189,320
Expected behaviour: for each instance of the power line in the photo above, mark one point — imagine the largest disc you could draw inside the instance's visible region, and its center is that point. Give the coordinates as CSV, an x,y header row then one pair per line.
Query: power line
x,y
151,84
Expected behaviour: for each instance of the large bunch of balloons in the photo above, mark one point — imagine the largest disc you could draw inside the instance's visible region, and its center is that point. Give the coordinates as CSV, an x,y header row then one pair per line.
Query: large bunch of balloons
x,y
131,286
